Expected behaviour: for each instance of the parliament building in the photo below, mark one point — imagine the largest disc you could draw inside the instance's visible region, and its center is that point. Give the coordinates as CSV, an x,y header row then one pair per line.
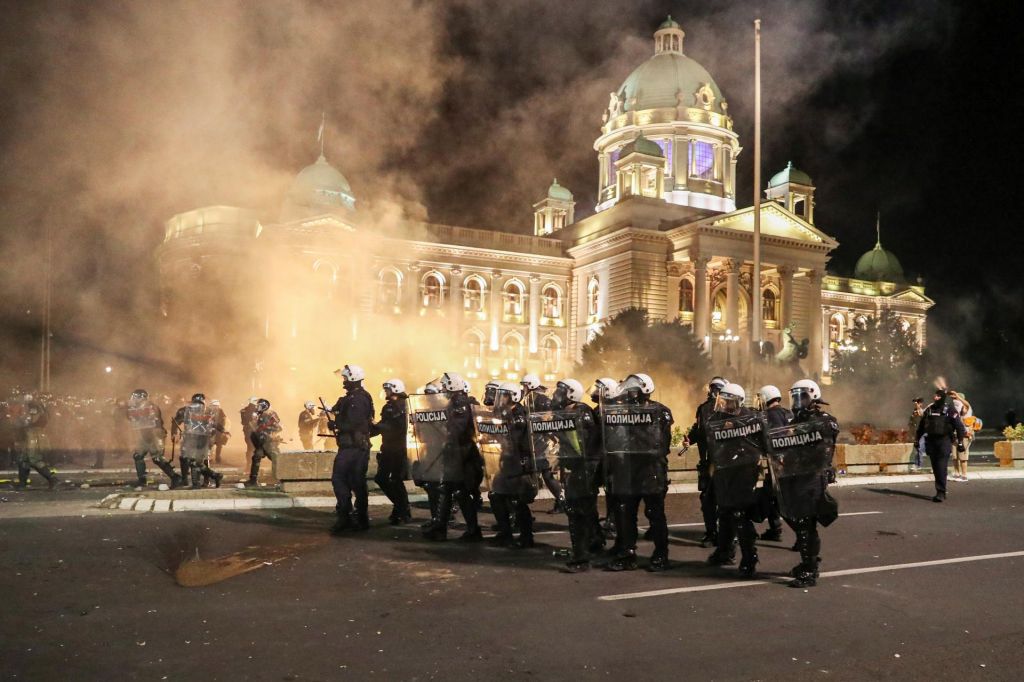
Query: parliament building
x,y
666,235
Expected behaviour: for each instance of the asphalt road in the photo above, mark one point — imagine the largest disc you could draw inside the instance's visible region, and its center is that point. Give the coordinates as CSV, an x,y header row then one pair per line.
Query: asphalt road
x,y
95,597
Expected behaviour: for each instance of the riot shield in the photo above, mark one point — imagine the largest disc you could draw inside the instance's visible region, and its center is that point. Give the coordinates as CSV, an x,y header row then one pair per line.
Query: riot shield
x,y
735,448
634,450
429,435
800,455
506,471
558,438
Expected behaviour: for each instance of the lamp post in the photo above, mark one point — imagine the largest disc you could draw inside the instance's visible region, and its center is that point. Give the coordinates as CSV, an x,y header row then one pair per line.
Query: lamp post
x,y
728,338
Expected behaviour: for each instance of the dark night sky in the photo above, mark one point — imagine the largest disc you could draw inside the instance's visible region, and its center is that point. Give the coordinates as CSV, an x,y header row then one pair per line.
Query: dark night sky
x,y
910,108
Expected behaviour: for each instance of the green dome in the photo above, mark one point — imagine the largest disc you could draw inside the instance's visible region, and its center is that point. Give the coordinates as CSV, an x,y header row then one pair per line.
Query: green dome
x,y
879,265
668,23
321,187
667,80
556,191
641,145
790,174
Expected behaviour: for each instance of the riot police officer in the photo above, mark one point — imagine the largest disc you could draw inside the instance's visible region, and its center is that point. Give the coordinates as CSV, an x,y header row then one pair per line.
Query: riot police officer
x,y
696,434
147,422
775,415
737,436
265,429
809,490
197,424
458,451
393,460
646,474
30,422
535,399
353,418
941,427
514,486
247,415
604,392
579,461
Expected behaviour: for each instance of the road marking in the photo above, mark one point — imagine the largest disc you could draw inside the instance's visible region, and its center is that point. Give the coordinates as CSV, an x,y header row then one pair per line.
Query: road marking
x,y
826,574
696,523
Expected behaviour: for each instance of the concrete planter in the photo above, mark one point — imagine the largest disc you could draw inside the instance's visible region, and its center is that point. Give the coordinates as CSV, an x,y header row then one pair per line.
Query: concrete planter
x,y
1010,453
304,471
894,458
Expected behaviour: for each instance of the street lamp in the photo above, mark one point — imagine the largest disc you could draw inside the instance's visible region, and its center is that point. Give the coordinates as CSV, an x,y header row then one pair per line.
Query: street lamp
x,y
728,338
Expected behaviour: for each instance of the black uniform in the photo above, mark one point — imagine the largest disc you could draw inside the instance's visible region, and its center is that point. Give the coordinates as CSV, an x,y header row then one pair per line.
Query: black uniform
x,y
812,490
458,449
514,487
654,490
775,415
581,475
353,418
735,494
393,460
708,508
940,426
538,402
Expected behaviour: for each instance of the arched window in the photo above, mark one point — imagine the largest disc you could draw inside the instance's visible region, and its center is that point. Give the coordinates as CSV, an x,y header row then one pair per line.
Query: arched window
x,y
473,295
432,290
685,296
474,345
836,328
593,298
325,277
512,352
389,288
515,299
551,299
552,354
769,306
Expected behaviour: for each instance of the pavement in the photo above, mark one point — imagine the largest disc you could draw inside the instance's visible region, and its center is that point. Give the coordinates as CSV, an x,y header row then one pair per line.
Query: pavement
x,y
910,590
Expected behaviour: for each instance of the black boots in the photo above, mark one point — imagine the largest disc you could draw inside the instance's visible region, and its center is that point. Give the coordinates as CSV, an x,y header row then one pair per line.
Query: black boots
x,y
805,573
438,530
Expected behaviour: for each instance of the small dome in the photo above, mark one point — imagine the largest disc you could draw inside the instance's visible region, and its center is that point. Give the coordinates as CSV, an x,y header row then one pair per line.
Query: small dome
x,y
879,265
556,191
641,145
669,23
790,174
318,188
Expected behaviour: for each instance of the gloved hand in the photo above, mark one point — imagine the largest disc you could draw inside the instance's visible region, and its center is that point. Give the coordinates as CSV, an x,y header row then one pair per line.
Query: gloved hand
x,y
830,475
960,448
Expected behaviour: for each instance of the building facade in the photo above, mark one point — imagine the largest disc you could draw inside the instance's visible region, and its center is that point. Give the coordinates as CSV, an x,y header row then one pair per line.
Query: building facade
x,y
665,236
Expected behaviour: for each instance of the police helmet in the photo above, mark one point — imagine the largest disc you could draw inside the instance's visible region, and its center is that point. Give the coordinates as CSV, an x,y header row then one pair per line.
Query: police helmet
x,y
452,383
730,398
139,394
768,393
490,389
716,383
638,382
604,388
395,386
805,388
253,399
309,404
510,389
262,404
432,388
199,398
531,382
352,373
572,388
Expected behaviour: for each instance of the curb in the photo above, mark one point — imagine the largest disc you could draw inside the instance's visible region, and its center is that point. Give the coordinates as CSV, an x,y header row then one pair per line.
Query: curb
x,y
142,503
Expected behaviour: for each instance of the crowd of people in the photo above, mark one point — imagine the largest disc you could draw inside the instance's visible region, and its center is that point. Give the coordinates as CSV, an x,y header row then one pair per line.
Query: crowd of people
x,y
517,438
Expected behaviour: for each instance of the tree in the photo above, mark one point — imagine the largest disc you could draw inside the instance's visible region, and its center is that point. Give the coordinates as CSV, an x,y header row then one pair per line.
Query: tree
x,y
668,351
882,350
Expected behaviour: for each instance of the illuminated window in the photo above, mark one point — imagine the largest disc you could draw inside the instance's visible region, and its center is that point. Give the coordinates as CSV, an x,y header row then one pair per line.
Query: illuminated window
x,y
473,295
389,288
512,352
432,291
836,325
514,299
718,311
666,150
702,160
685,296
769,306
552,302
474,345
552,354
593,297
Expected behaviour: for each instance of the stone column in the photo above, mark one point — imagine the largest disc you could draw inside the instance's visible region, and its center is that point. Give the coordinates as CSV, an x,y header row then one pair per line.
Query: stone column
x,y
732,299
786,289
674,274
814,324
701,302
495,314
534,303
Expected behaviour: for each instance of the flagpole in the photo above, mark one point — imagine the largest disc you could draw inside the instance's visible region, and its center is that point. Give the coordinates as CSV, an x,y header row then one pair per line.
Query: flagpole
x,y
756,283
